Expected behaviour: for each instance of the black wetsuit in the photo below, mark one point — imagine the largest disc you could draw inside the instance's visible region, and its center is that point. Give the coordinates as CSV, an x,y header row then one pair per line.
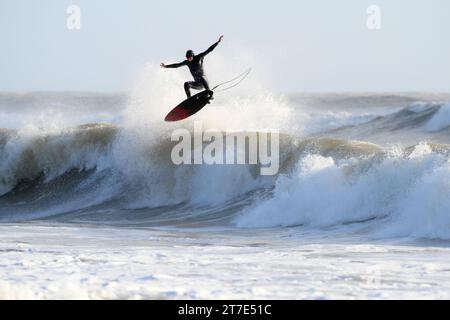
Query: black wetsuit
x,y
196,68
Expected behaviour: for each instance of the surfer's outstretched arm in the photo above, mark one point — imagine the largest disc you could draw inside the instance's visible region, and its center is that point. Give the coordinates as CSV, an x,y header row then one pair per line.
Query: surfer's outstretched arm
x,y
210,48
174,65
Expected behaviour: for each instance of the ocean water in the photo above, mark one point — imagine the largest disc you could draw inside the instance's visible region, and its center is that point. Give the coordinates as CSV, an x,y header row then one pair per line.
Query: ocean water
x,y
91,205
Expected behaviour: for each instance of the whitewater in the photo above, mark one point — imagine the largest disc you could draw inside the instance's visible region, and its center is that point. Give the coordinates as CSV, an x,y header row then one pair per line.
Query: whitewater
x,y
92,207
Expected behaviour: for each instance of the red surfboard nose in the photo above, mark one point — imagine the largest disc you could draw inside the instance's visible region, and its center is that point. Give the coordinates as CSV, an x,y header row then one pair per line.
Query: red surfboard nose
x,y
177,114
189,106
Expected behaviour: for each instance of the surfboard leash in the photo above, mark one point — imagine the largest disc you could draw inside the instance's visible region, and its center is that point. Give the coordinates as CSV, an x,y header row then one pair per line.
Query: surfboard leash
x,y
242,76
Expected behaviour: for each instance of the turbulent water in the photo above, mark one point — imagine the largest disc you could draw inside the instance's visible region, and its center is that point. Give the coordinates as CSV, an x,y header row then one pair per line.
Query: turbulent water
x,y
91,205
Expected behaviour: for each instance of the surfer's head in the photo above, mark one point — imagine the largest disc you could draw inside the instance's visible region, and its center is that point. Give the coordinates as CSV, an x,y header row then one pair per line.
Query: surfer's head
x,y
189,55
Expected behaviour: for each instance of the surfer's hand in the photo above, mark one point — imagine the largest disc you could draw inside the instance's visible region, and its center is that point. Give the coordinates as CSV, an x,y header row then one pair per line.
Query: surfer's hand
x,y
162,65
220,39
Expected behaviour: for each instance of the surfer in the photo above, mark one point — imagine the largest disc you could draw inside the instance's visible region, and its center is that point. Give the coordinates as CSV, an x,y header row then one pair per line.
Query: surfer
x,y
195,65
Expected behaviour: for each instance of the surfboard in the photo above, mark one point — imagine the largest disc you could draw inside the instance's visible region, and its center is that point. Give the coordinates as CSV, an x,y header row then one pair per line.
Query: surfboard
x,y
189,106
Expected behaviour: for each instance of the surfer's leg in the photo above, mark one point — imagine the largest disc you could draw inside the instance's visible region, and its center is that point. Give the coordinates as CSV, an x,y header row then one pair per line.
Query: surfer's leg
x,y
187,89
204,82
197,85
205,85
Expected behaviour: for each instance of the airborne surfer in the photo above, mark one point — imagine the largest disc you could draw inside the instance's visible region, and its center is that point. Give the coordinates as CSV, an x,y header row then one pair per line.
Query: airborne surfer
x,y
195,65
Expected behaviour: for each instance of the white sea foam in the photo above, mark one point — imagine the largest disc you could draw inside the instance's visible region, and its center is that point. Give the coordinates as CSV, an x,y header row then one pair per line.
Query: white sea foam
x,y
69,262
409,193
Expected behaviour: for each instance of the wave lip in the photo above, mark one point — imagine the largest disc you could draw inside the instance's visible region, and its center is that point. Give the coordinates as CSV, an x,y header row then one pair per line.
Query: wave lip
x,y
440,120
28,157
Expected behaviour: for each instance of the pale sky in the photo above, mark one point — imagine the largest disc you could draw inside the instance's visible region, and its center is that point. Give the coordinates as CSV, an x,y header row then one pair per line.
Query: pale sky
x,y
313,46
